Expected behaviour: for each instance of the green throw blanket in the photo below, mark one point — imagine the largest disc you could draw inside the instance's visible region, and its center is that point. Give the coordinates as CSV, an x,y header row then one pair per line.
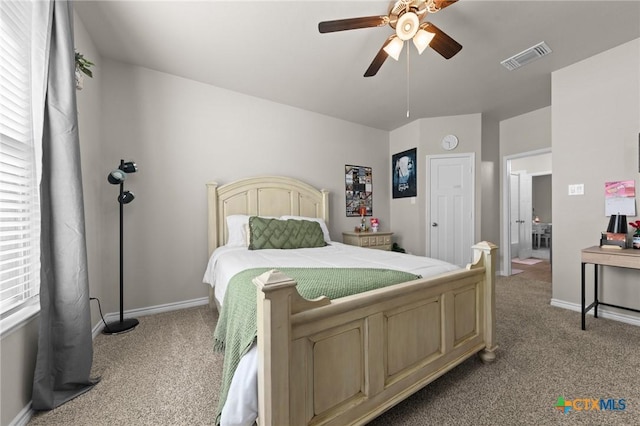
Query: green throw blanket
x,y
237,325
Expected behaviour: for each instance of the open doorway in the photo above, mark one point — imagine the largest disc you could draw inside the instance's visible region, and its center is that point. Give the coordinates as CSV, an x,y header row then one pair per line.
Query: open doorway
x,y
527,228
542,228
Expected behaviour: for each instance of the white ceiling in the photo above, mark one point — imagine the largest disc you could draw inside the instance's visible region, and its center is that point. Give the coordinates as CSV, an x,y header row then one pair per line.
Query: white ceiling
x,y
273,50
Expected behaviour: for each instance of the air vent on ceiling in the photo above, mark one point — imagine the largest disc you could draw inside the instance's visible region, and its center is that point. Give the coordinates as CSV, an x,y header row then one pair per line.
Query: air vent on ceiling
x,y
531,54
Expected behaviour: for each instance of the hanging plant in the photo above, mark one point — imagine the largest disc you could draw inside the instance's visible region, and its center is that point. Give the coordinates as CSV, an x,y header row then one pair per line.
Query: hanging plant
x,y
83,66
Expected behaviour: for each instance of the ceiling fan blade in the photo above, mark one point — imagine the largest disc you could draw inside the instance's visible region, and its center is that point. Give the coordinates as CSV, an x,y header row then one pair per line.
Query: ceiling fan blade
x,y
442,43
352,23
378,60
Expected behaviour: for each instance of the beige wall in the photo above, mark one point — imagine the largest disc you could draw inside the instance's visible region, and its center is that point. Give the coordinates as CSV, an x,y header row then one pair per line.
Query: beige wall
x,y
183,134
490,180
537,164
409,216
541,198
595,127
405,212
17,361
94,184
526,132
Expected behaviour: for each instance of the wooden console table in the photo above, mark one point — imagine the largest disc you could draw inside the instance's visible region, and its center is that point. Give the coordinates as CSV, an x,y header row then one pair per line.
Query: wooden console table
x,y
621,258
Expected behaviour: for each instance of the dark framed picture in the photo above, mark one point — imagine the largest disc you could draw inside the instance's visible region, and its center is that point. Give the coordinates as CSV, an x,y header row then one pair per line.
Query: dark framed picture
x,y
359,190
403,170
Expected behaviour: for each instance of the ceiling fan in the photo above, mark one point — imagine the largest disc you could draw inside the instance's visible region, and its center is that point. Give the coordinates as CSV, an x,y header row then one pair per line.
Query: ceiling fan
x,y
404,17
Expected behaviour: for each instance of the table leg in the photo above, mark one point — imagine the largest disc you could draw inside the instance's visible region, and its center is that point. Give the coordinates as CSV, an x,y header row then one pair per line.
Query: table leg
x,y
582,295
595,290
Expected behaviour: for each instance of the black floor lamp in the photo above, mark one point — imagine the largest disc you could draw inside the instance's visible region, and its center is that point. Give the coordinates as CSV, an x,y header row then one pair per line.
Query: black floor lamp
x,y
117,177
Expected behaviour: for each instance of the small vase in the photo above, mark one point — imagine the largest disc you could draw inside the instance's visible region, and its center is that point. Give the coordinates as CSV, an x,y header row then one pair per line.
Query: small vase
x,y
636,241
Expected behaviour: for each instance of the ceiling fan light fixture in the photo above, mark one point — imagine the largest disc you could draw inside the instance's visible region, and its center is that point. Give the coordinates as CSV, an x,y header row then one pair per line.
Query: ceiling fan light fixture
x,y
422,39
394,48
407,26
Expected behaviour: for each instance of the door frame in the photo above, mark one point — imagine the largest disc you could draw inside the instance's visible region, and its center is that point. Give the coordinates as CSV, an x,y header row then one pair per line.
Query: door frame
x,y
471,157
506,203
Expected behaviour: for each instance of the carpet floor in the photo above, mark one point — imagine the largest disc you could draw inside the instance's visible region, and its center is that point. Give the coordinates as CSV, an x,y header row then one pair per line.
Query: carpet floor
x,y
165,372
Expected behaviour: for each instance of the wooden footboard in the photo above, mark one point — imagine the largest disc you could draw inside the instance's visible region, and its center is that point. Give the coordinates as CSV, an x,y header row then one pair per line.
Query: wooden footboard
x,y
346,361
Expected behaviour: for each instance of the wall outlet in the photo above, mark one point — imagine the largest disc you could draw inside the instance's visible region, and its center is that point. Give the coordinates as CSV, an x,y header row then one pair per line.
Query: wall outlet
x,y
576,189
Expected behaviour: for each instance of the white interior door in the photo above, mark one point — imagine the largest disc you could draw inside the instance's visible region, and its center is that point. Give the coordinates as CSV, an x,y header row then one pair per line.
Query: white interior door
x,y
520,214
526,216
451,207
514,209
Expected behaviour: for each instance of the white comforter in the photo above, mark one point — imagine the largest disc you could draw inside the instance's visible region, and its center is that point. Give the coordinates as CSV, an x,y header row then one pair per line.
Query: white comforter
x,y
242,404
227,261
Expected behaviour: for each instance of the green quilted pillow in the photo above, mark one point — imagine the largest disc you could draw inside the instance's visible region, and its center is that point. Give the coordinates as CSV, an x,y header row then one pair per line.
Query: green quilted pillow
x,y
284,234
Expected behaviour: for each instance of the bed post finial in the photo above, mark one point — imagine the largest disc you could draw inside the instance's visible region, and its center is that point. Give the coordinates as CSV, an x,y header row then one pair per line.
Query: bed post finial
x,y
212,231
325,205
489,254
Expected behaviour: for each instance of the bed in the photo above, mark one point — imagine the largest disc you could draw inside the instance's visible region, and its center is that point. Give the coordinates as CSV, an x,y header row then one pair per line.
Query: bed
x,y
347,360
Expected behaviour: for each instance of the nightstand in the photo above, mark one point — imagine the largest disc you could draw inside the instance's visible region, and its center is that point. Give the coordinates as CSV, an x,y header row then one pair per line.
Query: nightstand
x,y
377,240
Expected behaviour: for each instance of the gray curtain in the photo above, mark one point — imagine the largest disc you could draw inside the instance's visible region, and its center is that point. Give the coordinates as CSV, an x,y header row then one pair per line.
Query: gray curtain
x,y
65,350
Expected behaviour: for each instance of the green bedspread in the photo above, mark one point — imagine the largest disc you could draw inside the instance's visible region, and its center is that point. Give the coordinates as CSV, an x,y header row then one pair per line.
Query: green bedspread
x,y
237,325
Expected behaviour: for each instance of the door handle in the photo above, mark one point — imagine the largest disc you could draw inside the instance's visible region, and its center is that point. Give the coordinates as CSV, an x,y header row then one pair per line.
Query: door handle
x,y
434,224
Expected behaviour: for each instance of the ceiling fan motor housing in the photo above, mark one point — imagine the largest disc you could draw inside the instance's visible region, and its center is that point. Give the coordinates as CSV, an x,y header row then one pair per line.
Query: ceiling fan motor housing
x,y
399,14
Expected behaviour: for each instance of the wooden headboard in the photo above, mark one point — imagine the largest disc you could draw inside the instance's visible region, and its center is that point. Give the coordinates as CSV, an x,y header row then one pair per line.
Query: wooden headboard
x,y
261,196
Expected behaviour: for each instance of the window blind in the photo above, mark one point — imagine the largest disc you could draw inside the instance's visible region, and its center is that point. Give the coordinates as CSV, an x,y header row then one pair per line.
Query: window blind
x,y
19,192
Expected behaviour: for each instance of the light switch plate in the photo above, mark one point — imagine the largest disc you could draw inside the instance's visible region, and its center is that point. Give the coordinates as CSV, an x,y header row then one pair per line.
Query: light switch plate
x,y
576,189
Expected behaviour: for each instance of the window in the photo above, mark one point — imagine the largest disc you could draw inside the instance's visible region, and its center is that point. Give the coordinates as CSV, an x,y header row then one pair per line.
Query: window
x,y
19,189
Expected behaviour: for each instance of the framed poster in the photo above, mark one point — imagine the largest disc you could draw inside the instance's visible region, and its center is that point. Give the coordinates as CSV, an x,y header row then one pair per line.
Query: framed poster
x,y
359,189
620,198
403,170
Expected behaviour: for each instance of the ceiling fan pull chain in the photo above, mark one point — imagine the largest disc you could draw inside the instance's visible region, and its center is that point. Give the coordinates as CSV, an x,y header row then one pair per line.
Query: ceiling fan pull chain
x,y
408,81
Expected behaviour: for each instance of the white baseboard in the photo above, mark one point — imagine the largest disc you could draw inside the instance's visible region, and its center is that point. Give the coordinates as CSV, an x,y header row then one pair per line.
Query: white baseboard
x,y
602,312
151,310
23,416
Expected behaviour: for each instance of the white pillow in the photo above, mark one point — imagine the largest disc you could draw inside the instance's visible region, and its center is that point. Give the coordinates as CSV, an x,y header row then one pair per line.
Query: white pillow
x,y
323,225
237,234
238,229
